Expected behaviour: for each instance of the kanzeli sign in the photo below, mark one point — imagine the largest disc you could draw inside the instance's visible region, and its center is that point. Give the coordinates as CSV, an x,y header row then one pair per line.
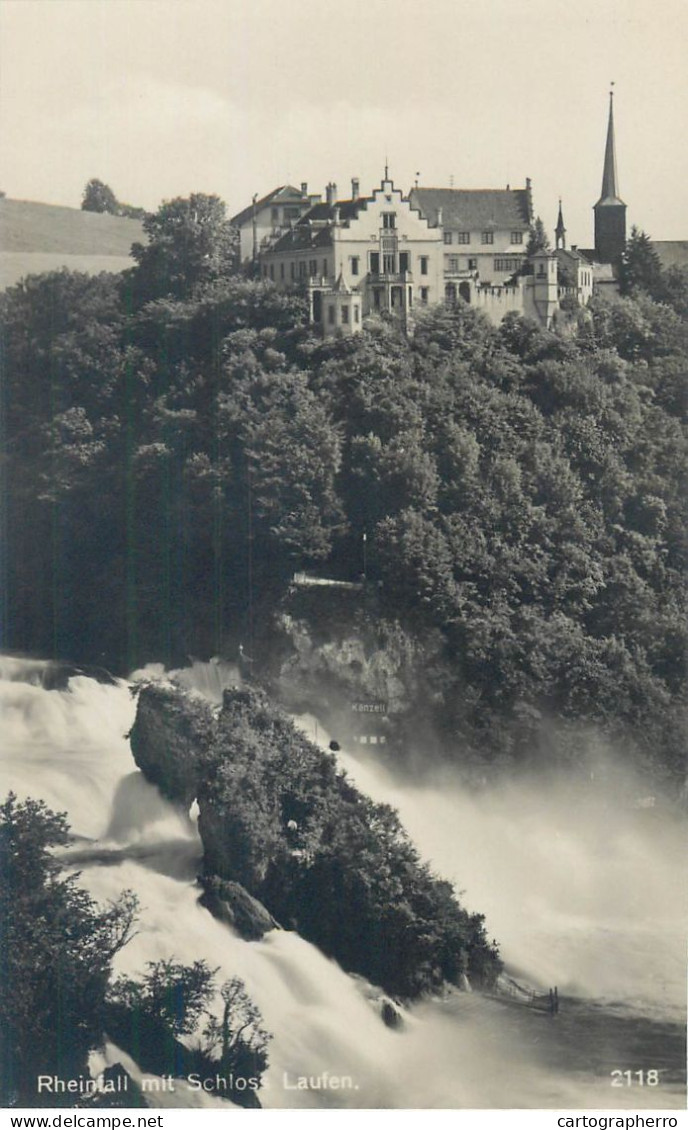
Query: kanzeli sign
x,y
377,707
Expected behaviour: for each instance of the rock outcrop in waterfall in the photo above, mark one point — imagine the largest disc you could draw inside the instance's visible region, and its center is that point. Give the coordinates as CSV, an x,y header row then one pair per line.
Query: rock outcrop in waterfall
x,y
283,825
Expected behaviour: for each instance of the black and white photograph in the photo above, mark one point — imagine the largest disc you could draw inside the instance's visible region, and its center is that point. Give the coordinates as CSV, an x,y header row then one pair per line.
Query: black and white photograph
x,y
343,368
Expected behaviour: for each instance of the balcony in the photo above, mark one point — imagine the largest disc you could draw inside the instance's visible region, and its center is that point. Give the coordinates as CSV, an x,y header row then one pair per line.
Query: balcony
x,y
398,278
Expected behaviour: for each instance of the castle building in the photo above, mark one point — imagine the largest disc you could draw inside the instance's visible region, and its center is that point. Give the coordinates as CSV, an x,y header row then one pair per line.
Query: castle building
x,y
363,255
266,218
388,253
484,231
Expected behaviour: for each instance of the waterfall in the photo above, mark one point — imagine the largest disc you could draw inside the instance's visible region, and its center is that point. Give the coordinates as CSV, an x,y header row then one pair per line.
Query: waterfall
x,y
556,887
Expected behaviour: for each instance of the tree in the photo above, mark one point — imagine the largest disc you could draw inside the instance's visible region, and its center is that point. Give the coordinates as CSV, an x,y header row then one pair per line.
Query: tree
x,y
158,1020
641,268
171,995
236,1042
537,240
99,197
57,949
190,243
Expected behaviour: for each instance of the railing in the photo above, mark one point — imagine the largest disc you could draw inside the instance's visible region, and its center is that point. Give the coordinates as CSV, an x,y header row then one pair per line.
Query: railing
x,y
519,994
398,277
304,580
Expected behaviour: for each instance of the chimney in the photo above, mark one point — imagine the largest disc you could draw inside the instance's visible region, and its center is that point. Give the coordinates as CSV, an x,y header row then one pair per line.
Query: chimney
x,y
355,188
304,188
331,193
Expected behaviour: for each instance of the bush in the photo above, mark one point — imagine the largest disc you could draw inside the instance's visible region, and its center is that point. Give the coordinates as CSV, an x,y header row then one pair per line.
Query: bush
x,y
57,951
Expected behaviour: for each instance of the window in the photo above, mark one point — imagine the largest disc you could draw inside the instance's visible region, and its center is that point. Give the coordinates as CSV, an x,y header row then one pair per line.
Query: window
x,y
272,271
403,260
487,237
325,268
423,264
292,213
472,264
313,268
275,215
389,264
424,294
517,237
452,263
330,315
464,237
375,262
376,298
354,264
410,296
302,269
447,237
292,266
281,270
509,264
389,220
345,315
265,270
357,314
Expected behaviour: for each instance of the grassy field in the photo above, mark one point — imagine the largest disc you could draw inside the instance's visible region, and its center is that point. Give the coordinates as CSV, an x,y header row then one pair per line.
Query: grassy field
x,y
44,237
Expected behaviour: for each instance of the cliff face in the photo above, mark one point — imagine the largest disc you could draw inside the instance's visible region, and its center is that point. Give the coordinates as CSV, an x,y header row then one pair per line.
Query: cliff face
x,y
338,651
288,838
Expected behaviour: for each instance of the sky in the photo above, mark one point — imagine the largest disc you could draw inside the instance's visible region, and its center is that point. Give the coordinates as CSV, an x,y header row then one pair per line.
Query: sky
x,y
161,98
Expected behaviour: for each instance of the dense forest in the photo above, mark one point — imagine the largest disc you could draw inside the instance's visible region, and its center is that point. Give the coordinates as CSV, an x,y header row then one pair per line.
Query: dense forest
x,y
178,443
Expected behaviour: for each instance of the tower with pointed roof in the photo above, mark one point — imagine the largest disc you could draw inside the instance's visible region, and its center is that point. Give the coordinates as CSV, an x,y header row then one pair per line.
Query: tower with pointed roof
x,y
560,230
610,210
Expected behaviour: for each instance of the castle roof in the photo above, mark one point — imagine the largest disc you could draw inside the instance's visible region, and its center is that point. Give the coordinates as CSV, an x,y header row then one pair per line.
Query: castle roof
x,y
348,210
474,209
284,192
672,252
303,237
572,256
314,229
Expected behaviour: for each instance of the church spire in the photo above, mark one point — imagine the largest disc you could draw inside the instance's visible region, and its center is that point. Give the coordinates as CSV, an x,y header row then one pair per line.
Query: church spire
x,y
610,210
560,230
610,180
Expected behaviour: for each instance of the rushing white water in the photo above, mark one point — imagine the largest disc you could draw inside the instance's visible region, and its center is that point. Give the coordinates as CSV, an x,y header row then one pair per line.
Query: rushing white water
x,y
582,885
556,898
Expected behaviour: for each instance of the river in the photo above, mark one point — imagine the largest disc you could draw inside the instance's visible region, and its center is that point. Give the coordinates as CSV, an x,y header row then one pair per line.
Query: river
x,y
580,887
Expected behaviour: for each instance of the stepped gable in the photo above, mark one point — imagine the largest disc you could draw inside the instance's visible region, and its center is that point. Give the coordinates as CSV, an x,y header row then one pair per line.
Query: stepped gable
x,y
474,209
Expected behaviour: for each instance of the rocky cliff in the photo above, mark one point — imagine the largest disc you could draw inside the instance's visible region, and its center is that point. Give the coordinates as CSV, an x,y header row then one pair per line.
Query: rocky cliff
x,y
287,838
